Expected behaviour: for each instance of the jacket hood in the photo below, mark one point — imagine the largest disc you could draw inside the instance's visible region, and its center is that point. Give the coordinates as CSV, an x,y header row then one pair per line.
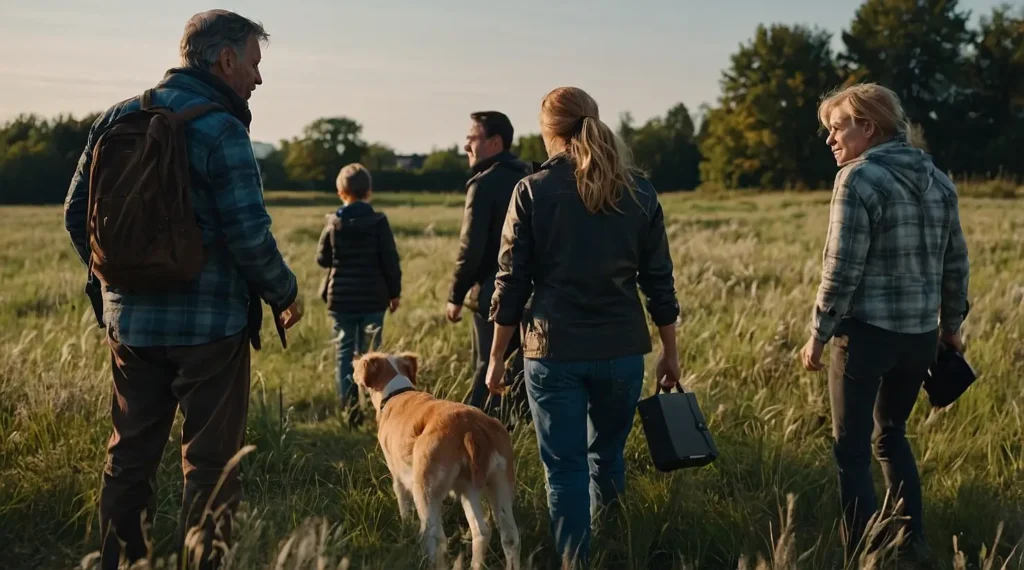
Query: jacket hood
x,y
911,166
356,217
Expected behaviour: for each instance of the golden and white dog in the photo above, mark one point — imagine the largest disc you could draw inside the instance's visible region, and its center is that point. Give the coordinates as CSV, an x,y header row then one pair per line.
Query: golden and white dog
x,y
434,448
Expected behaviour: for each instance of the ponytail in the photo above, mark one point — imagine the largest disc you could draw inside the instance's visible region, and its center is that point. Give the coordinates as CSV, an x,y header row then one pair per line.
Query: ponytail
x,y
603,167
603,163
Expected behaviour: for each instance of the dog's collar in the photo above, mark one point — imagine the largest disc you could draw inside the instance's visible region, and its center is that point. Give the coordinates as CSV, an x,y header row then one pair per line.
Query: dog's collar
x,y
396,386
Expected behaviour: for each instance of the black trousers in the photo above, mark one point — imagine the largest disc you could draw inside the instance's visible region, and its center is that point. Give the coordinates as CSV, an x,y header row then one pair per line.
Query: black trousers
x,y
874,378
513,407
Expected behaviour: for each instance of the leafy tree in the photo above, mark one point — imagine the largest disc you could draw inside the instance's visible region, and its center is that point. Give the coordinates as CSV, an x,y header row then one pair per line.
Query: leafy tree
x,y
917,48
996,102
765,132
530,148
326,145
446,160
38,157
626,129
272,169
962,87
665,148
378,156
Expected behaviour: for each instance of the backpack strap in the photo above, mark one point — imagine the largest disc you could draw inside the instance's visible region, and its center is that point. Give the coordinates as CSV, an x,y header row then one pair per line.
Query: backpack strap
x,y
198,110
146,102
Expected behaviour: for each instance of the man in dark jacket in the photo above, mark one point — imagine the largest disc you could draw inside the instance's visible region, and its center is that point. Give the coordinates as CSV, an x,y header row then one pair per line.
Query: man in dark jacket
x,y
364,275
496,170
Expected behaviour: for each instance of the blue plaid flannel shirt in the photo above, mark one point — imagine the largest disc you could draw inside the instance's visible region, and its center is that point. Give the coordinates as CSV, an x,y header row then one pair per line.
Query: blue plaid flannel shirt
x,y
228,201
895,255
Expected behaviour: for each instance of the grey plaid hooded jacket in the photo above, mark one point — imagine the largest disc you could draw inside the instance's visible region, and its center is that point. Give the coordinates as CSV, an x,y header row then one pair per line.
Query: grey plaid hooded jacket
x,y
895,255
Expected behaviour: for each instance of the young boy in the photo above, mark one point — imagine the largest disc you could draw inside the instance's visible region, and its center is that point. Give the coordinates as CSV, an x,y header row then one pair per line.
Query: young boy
x,y
364,277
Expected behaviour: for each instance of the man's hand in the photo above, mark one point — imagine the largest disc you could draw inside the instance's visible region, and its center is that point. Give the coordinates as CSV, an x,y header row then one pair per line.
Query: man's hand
x,y
454,312
393,305
496,376
292,314
952,340
810,355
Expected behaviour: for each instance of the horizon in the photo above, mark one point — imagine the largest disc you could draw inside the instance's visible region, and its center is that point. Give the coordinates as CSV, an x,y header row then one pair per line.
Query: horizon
x,y
410,74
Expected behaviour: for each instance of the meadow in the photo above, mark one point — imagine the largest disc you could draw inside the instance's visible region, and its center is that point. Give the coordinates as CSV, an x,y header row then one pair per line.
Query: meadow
x,y
319,494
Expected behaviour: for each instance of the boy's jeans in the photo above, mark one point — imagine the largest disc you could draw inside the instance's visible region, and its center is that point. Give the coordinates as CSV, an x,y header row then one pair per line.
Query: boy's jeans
x,y
353,332
583,413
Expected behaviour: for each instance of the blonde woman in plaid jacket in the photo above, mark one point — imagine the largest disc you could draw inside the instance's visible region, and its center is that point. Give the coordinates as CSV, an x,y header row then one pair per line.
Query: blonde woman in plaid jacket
x,y
894,282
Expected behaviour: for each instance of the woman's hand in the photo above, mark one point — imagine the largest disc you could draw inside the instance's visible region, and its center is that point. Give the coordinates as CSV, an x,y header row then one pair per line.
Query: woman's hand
x,y
668,371
810,355
496,368
952,340
496,376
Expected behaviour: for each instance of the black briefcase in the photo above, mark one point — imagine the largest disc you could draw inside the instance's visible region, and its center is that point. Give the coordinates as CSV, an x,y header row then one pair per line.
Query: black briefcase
x,y
949,376
676,432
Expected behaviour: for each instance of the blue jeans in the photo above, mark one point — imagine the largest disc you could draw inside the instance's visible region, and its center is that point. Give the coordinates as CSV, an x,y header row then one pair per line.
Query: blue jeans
x,y
583,413
353,332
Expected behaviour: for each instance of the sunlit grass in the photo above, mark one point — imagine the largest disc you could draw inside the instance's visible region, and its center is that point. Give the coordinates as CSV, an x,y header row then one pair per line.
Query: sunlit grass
x,y
746,271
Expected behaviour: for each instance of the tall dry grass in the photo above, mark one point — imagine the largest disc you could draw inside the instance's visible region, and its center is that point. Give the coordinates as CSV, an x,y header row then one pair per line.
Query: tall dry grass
x,y
319,495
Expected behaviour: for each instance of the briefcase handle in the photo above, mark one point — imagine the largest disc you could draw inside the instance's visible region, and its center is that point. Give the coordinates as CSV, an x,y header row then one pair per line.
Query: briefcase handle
x,y
678,387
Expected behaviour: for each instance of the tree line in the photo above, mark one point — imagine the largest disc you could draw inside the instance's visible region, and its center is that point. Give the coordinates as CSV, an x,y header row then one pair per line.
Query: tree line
x,y
962,87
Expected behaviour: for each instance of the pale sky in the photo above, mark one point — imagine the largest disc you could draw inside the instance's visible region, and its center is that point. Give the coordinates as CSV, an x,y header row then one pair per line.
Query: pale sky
x,y
409,71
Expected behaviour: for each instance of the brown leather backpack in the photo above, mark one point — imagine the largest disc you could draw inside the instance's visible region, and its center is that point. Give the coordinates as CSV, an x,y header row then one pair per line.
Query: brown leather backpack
x,y
143,233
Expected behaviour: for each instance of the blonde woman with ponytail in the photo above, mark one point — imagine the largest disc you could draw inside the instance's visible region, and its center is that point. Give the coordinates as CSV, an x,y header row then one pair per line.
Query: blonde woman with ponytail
x,y
894,284
580,236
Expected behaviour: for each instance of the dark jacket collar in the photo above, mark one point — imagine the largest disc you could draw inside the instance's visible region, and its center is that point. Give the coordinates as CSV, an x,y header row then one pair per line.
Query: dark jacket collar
x,y
501,157
555,160
208,85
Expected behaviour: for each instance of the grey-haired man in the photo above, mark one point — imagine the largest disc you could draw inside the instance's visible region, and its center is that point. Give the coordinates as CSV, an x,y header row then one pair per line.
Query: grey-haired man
x,y
188,347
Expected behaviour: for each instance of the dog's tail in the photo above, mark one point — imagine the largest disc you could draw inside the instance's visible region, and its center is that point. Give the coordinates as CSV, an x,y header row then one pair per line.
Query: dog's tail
x,y
478,464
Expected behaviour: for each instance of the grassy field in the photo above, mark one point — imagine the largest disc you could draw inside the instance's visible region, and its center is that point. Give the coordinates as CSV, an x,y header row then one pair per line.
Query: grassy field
x,y
746,270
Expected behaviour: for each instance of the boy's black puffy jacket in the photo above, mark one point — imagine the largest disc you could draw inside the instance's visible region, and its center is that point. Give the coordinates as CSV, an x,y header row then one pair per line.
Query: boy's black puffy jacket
x,y
358,248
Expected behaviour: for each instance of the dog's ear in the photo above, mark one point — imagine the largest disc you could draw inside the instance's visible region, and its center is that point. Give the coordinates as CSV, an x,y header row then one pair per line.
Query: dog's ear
x,y
367,369
411,363
359,366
